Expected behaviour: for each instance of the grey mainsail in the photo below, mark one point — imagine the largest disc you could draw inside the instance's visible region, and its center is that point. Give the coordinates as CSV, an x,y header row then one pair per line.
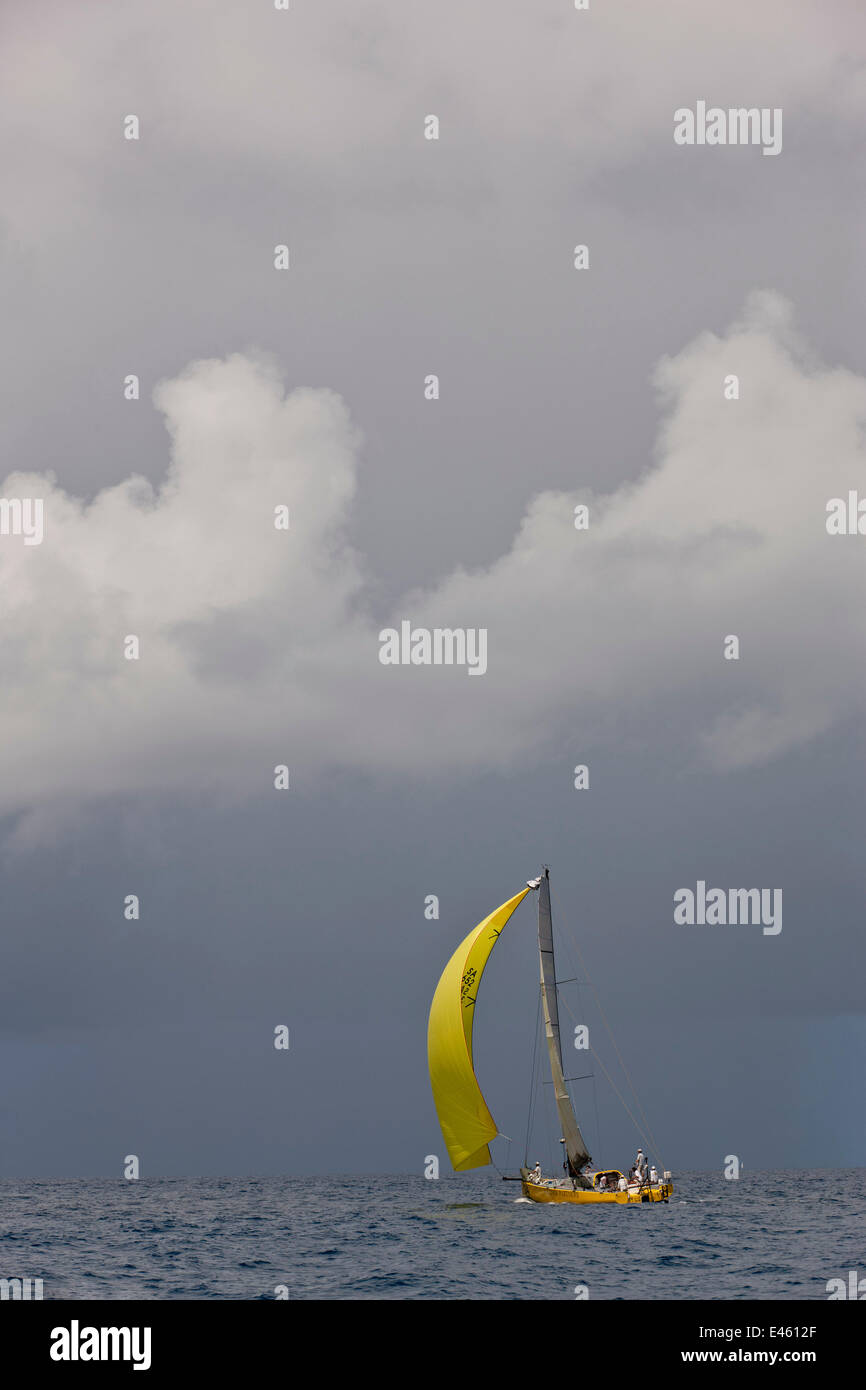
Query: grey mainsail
x,y
574,1144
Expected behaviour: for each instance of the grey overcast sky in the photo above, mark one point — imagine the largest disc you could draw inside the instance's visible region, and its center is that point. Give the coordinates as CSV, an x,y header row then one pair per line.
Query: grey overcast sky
x,y
305,387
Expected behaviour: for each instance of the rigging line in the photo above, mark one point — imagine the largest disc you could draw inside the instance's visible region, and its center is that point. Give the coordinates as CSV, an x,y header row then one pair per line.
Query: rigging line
x,y
556,984
580,986
642,1112
533,1096
621,1099
500,1135
649,1132
532,1086
546,1114
595,1106
592,986
540,1099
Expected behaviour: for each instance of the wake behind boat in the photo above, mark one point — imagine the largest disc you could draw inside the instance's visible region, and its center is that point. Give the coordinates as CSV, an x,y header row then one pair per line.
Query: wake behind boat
x,y
467,1125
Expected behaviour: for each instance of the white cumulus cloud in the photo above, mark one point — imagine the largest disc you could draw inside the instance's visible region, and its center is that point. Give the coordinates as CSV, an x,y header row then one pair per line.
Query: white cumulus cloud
x,y
260,646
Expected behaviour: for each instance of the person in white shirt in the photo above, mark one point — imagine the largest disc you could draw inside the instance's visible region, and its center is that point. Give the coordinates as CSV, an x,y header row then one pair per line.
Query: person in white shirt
x,y
535,1173
640,1164
654,1177
622,1185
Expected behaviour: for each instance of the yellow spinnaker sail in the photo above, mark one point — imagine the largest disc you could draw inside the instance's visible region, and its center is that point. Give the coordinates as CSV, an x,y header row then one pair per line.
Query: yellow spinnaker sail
x,y
467,1124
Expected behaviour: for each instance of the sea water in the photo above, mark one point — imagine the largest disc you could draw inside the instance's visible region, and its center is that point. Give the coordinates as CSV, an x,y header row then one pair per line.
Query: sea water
x,y
766,1235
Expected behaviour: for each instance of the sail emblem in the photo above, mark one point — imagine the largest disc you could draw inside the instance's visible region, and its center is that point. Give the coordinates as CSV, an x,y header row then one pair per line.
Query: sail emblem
x,y
468,982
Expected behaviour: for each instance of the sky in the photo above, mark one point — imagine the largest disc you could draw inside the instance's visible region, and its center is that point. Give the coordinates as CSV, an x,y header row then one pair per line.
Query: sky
x,y
607,388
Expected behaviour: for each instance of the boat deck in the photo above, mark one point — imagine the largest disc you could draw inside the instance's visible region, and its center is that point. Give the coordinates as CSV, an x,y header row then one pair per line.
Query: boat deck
x,y
551,1191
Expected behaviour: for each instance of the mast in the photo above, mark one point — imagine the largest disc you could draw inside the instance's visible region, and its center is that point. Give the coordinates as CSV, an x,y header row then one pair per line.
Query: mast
x,y
575,1147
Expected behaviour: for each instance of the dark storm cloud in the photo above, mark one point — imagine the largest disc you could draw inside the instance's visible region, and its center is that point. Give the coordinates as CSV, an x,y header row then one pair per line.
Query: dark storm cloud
x,y
410,257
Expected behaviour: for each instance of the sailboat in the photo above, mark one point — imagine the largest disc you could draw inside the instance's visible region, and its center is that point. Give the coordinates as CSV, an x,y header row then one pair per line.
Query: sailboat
x,y
467,1125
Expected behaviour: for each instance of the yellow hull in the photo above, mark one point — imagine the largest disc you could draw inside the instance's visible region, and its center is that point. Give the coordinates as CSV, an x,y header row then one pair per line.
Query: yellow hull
x,y
538,1192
